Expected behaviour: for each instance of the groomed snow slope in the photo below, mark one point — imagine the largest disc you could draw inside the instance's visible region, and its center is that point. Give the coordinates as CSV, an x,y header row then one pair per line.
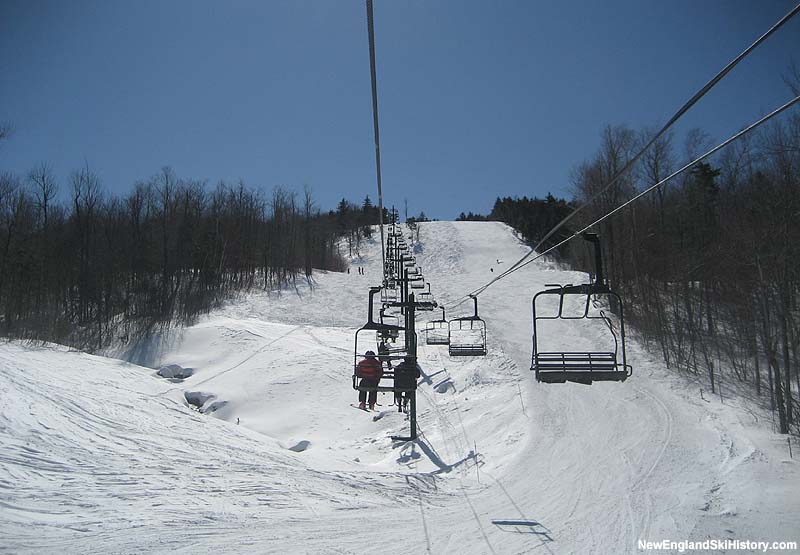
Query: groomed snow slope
x,y
101,456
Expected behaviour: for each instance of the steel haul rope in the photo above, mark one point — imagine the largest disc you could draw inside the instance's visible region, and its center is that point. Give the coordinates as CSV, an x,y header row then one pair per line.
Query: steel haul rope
x,y
371,31
720,146
681,111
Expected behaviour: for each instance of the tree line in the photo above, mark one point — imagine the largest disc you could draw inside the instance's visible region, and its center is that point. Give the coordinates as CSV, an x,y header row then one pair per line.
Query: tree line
x,y
97,267
709,264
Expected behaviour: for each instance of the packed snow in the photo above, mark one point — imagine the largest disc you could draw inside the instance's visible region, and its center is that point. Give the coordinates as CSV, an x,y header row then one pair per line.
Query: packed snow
x,y
237,435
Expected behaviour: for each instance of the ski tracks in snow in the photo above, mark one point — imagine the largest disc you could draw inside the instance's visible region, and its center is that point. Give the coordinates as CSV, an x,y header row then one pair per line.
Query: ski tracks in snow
x,y
95,460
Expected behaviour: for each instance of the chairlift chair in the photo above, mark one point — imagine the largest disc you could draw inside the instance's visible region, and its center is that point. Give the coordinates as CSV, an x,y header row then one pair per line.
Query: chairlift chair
x,y
467,335
417,281
388,294
387,356
437,332
390,329
424,301
582,367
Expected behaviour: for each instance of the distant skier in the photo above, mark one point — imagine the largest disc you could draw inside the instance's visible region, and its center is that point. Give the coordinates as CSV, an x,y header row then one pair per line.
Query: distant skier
x,y
370,372
406,375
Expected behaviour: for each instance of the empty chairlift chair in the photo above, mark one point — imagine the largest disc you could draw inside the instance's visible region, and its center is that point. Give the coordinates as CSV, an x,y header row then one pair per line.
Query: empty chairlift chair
x,y
389,294
585,367
467,335
390,327
437,332
417,280
424,300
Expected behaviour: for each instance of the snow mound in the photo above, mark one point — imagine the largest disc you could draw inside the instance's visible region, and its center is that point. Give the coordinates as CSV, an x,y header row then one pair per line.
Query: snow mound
x,y
207,403
175,372
300,446
198,398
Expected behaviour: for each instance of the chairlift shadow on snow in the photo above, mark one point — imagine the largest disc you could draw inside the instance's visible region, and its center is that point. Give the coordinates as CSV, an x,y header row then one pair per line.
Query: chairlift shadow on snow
x,y
445,385
409,455
523,526
428,378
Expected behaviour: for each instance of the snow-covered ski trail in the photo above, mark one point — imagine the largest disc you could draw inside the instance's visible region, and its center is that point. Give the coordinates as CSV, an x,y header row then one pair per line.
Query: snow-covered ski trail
x,y
101,456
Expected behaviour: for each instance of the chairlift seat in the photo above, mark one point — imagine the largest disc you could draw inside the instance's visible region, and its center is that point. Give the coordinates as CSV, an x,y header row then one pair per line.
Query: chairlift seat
x,y
578,367
388,375
424,301
437,332
388,295
467,335
436,336
463,350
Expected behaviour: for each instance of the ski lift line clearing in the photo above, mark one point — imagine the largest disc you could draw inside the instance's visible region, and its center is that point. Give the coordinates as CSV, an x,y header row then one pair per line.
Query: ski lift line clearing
x,y
582,367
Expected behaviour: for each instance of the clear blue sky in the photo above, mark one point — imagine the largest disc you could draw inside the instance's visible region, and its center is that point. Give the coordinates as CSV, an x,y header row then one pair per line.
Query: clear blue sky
x,y
477,99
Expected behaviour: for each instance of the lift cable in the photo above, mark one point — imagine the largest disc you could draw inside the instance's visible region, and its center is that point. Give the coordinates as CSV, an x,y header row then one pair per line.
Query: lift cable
x,y
683,109
720,146
371,31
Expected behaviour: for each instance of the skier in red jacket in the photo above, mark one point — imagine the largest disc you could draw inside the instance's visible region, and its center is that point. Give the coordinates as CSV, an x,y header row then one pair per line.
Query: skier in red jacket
x,y
370,371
